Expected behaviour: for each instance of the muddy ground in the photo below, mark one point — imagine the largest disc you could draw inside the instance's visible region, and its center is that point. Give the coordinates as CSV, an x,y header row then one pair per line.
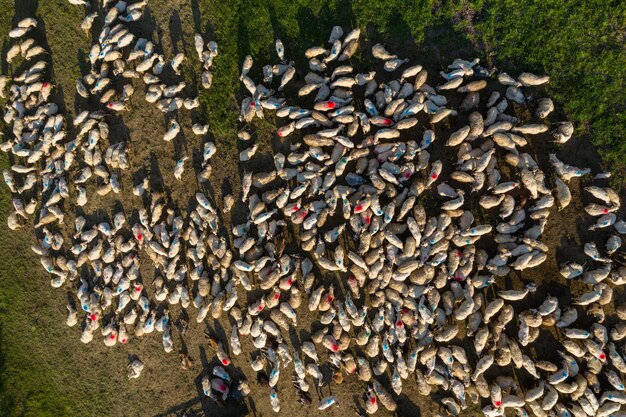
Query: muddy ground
x,y
93,376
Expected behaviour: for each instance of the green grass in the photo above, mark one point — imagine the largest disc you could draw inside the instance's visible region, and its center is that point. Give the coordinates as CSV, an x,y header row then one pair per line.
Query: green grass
x,y
579,44
27,385
28,379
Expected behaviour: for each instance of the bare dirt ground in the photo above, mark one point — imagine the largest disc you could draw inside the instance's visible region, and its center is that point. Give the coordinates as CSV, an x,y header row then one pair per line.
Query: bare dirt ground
x,y
93,377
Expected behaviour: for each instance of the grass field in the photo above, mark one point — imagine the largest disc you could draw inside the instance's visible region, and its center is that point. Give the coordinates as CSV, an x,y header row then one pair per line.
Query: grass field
x,y
45,370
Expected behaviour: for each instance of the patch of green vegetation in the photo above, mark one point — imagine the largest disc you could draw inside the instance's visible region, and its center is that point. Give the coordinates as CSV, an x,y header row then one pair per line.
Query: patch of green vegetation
x,y
27,386
396,20
581,46
65,40
220,98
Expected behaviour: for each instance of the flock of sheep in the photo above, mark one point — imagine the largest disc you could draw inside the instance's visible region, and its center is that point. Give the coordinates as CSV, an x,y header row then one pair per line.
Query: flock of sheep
x,y
393,263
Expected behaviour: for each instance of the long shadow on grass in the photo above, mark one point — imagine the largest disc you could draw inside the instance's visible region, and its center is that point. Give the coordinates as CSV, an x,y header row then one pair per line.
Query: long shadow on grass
x,y
22,9
28,8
